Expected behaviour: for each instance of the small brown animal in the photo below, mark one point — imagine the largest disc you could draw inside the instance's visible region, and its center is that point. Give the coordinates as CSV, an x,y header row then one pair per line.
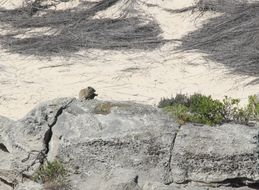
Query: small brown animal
x,y
87,93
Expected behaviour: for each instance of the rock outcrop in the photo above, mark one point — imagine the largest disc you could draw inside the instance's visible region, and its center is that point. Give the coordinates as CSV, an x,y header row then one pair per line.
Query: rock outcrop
x,y
125,146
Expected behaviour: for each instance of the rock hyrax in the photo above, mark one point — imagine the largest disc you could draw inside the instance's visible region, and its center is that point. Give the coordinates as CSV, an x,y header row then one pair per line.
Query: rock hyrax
x,y
87,93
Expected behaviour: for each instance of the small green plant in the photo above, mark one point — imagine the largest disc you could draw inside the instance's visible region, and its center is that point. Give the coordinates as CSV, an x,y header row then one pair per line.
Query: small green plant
x,y
49,172
204,110
253,107
52,175
179,112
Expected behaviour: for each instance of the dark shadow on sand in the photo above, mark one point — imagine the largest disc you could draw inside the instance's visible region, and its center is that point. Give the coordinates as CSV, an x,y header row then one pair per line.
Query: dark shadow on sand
x,y
76,29
231,39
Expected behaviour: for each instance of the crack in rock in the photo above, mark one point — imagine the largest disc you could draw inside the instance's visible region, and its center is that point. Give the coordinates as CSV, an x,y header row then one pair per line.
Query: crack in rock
x,y
8,178
41,156
168,164
239,182
47,139
11,184
49,133
236,182
3,148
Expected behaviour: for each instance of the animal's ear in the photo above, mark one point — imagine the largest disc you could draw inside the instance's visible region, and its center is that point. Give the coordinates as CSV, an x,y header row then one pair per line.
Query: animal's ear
x,y
92,89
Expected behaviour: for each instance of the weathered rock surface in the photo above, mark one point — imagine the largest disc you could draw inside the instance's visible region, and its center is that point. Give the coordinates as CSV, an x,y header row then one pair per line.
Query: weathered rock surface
x,y
224,154
124,145
29,185
105,141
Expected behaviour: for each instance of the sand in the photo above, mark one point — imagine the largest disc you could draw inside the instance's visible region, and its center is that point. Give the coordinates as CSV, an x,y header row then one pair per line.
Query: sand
x,y
143,77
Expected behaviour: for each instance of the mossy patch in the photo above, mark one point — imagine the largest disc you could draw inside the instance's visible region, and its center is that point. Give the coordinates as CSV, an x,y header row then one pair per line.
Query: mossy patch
x,y
105,108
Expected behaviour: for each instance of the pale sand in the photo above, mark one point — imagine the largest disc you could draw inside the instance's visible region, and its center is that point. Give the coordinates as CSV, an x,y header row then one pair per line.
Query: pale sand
x,y
142,77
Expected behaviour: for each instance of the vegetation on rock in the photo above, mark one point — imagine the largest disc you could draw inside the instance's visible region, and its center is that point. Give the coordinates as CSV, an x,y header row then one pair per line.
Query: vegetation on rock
x,y
203,109
53,175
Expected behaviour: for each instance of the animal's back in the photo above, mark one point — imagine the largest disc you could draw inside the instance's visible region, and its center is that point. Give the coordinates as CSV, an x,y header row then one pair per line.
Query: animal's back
x,y
83,94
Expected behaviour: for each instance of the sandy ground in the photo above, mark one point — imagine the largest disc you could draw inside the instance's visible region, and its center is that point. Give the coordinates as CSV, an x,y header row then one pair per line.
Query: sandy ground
x,y
142,77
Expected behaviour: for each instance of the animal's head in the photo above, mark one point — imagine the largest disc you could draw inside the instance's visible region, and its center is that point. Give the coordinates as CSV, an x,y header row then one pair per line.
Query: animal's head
x,y
91,90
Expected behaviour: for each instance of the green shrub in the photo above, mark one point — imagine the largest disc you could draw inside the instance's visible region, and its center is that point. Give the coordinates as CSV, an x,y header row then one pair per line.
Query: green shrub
x,y
196,108
234,113
178,99
179,112
204,110
53,175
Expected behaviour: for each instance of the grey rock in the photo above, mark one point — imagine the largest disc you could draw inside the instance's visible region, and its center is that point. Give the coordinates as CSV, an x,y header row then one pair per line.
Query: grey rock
x,y
225,154
121,179
21,142
125,136
125,146
29,185
3,186
189,186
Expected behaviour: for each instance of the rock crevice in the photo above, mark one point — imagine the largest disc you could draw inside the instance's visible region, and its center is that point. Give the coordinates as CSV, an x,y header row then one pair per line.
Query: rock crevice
x,y
49,132
3,148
